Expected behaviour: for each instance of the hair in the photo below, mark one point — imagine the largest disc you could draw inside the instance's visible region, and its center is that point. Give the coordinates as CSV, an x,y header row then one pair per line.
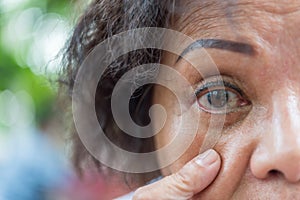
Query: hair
x,y
101,20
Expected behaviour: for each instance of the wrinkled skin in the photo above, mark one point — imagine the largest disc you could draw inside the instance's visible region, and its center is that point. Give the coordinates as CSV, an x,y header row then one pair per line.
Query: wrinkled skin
x,y
259,144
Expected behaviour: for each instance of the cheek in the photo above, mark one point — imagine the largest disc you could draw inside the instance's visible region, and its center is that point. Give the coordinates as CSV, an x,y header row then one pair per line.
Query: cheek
x,y
235,147
171,130
233,143
209,135
167,135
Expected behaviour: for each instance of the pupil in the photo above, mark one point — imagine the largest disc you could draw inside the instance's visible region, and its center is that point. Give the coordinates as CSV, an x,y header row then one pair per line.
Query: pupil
x,y
217,98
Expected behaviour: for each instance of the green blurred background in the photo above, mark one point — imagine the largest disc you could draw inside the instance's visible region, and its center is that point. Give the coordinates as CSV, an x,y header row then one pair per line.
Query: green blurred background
x,y
32,34
33,160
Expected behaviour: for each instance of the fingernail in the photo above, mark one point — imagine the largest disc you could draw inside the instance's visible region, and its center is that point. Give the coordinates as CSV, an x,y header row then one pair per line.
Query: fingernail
x,y
207,158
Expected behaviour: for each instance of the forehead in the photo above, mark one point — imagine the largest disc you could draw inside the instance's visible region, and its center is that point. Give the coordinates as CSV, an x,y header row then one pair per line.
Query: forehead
x,y
210,9
207,16
238,18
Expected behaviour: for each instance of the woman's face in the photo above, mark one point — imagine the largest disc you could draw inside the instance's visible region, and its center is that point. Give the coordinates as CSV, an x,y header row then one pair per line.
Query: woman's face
x,y
260,142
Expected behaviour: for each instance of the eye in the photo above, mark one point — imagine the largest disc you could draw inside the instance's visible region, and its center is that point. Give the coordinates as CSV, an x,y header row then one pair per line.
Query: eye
x,y
220,100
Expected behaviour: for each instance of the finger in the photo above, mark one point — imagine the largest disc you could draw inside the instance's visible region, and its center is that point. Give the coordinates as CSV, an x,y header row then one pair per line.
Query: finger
x,y
194,177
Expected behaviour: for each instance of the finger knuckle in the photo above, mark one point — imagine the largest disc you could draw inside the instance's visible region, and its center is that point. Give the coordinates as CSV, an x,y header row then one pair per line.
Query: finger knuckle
x,y
182,182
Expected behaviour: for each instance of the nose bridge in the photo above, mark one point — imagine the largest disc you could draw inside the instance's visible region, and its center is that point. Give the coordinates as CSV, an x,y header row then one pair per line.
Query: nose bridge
x,y
279,148
285,134
285,121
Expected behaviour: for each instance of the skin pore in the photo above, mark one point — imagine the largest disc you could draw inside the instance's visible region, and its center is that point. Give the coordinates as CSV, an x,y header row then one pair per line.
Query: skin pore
x,y
260,142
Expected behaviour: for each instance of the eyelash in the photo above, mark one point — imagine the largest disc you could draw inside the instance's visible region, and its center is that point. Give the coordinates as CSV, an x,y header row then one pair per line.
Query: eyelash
x,y
227,90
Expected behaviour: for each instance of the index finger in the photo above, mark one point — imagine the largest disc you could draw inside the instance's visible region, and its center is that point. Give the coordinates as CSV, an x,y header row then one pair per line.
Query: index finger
x,y
194,177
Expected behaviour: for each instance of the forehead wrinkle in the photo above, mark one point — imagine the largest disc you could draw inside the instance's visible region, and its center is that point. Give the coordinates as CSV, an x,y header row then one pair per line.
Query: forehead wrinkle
x,y
204,14
212,13
273,7
256,22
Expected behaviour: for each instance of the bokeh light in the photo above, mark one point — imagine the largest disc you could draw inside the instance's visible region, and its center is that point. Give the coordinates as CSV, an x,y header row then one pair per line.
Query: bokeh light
x,y
32,33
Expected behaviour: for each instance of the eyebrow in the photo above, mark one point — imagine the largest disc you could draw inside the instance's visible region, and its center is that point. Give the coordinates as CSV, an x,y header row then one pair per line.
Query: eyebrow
x,y
219,44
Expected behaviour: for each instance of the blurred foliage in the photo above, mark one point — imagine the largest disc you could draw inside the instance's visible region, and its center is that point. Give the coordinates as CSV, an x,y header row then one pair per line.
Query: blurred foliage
x,y
21,45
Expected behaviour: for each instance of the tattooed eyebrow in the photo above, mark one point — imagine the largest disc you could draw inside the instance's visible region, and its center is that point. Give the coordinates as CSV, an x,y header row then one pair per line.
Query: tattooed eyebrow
x,y
219,44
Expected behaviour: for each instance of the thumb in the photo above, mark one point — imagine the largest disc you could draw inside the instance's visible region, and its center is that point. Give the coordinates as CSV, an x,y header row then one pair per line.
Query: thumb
x,y
194,177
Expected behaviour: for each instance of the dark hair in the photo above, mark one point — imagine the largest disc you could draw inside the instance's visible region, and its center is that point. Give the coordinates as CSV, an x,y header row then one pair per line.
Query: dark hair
x,y
103,19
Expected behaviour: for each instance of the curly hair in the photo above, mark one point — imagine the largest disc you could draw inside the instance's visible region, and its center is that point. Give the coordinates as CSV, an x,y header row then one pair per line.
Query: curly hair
x,y
101,20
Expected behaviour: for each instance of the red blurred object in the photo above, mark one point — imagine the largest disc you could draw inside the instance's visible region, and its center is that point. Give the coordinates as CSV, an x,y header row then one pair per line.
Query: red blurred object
x,y
94,187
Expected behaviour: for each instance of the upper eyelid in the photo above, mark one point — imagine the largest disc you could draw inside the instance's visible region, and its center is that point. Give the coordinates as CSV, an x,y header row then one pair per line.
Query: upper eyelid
x,y
225,84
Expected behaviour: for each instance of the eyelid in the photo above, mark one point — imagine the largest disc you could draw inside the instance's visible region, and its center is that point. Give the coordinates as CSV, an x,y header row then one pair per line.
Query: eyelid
x,y
218,83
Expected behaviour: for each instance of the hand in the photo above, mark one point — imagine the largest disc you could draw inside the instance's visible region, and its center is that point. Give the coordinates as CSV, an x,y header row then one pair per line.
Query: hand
x,y
194,177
